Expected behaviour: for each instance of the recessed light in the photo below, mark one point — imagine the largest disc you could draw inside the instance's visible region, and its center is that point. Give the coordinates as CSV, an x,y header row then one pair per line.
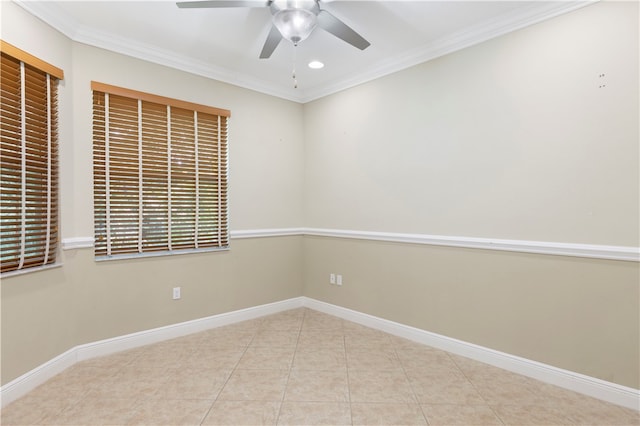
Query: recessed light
x,y
316,65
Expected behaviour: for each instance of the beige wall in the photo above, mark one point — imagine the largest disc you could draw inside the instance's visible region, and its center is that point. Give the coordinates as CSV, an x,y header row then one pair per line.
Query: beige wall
x,y
46,313
573,313
508,139
265,133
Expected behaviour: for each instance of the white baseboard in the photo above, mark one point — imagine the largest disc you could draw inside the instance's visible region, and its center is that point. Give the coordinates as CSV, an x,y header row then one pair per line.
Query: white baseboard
x,y
591,386
147,337
32,379
607,391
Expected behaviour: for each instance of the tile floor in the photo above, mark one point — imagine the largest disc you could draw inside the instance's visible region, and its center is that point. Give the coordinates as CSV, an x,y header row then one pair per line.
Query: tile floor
x,y
300,367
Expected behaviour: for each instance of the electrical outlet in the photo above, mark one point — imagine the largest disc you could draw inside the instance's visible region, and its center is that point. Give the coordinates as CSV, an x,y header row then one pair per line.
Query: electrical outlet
x,y
176,293
332,278
339,279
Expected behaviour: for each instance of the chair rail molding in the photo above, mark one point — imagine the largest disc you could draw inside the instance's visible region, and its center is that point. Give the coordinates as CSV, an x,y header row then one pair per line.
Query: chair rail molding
x,y
594,251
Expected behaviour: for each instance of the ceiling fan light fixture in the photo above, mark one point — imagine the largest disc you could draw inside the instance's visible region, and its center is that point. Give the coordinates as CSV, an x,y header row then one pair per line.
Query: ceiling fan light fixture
x,y
295,24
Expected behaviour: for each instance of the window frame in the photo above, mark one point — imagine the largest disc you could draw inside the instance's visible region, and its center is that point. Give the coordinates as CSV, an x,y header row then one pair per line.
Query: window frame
x,y
36,107
133,138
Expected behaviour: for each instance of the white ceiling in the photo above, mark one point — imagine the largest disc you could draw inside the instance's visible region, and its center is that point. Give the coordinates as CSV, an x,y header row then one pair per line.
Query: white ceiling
x,y
224,44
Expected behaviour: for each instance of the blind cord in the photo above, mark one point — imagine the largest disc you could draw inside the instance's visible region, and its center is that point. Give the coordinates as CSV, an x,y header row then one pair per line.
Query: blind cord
x,y
197,154
107,173
140,179
23,125
49,142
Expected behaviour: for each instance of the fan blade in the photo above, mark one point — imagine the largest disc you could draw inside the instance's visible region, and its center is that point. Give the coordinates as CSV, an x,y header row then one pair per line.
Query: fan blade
x,y
221,3
330,23
273,39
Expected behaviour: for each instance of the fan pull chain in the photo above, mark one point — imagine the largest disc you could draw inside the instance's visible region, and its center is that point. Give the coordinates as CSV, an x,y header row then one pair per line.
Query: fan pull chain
x,y
295,80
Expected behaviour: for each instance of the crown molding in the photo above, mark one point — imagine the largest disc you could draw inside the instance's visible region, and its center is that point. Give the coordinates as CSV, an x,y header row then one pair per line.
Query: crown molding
x,y
143,51
170,59
477,34
50,14
504,24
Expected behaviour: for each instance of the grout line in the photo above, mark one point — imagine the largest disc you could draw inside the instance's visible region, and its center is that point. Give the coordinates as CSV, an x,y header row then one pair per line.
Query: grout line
x,y
404,370
346,364
295,350
475,387
232,370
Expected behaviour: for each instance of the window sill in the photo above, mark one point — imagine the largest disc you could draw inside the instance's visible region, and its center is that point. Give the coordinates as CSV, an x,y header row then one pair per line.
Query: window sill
x,y
30,270
159,254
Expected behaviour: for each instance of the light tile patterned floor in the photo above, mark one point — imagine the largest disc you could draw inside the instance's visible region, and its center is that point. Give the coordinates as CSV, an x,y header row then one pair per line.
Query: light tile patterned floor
x,y
300,367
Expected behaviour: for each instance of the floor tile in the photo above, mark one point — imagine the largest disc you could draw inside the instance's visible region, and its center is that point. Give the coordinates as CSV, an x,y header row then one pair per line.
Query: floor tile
x,y
227,338
266,358
30,410
97,411
314,413
133,383
387,414
319,386
114,361
248,326
319,321
449,415
243,413
500,390
425,359
311,340
444,389
595,412
284,322
372,359
207,357
372,341
275,338
193,383
320,359
358,335
255,385
175,412
380,386
162,355
530,415
300,367
69,386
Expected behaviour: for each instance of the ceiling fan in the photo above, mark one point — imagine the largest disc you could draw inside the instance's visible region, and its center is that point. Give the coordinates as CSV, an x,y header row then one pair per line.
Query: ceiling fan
x,y
293,20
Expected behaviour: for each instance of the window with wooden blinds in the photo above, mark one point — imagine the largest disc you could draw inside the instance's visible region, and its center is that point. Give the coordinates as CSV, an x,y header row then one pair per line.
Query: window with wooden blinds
x,y
28,160
160,174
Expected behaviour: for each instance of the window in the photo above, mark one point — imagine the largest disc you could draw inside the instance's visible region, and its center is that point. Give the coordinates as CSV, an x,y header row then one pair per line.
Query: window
x,y
160,174
28,160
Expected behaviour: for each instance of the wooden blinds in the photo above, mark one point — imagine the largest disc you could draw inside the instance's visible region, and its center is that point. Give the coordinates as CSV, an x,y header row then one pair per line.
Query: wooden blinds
x,y
160,174
28,160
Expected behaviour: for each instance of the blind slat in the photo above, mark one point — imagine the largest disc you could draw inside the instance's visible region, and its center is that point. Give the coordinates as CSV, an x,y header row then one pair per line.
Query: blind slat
x,y
157,175
28,148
